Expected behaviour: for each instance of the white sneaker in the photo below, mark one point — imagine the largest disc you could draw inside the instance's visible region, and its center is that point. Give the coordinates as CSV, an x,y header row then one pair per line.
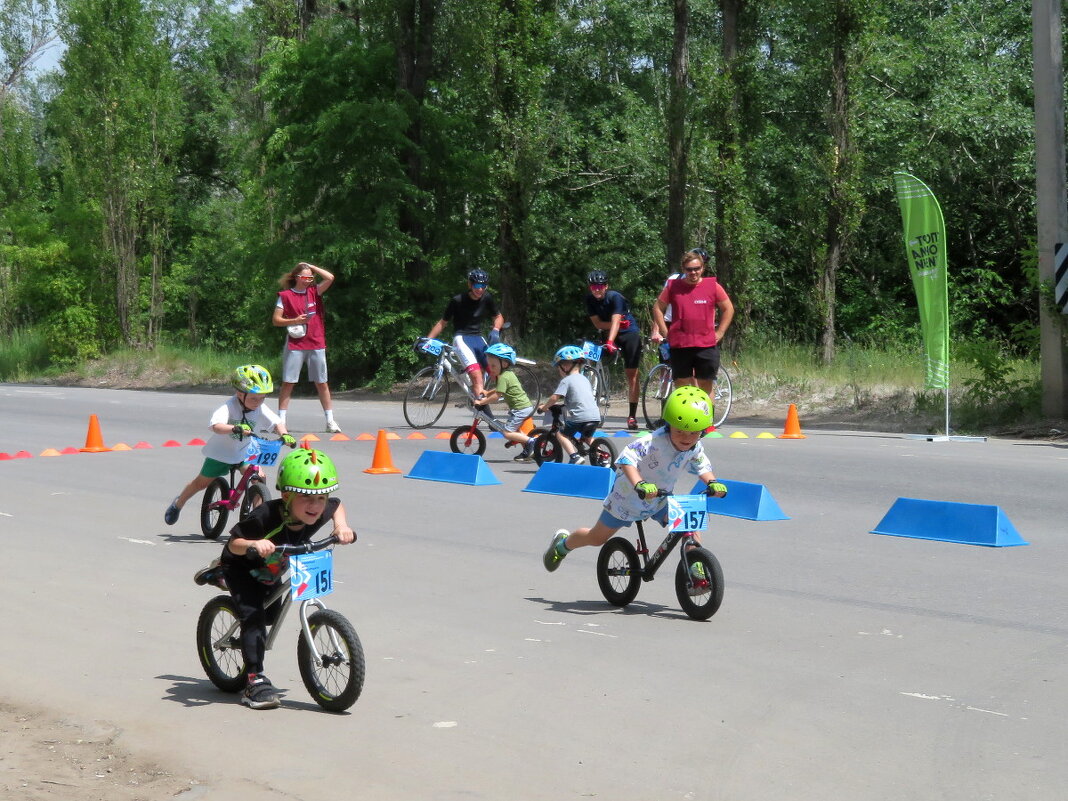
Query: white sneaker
x,y
333,428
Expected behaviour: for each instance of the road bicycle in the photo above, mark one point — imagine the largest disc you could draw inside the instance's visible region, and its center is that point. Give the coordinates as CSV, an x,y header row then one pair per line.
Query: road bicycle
x,y
658,385
597,372
428,391
599,452
329,652
223,495
698,589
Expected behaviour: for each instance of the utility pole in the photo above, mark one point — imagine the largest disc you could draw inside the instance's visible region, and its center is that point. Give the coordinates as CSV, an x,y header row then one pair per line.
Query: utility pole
x,y
1050,197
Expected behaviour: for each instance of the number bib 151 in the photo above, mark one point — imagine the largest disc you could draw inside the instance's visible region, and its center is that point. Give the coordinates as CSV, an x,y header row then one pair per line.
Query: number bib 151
x,y
313,575
687,513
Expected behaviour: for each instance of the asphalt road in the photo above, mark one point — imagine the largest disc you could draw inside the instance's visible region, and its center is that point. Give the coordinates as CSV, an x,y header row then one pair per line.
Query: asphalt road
x,y
842,664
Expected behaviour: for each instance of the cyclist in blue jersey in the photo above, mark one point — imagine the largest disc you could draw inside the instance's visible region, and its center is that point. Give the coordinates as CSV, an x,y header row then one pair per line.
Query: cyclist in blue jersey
x,y
468,311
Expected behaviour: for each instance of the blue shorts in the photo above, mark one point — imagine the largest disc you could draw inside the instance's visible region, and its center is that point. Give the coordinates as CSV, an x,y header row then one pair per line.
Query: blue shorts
x,y
611,521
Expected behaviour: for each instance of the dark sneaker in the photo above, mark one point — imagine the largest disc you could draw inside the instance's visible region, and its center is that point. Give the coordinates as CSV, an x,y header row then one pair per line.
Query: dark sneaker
x,y
577,458
556,553
527,455
170,517
260,694
632,424
212,574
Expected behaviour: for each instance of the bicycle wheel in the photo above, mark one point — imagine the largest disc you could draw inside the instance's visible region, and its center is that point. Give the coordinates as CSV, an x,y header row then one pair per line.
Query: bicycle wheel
x,y
337,681
255,495
602,388
655,389
547,449
723,397
426,396
699,597
468,439
213,519
529,379
602,453
618,574
219,644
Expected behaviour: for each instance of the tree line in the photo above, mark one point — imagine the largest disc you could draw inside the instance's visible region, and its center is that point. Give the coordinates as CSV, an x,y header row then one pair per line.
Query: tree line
x,y
183,154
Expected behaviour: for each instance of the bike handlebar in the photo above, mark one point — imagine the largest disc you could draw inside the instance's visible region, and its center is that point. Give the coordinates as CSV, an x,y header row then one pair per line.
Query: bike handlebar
x,y
303,547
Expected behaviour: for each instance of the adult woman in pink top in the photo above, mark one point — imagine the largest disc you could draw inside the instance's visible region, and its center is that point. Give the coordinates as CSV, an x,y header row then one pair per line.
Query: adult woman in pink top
x,y
695,329
300,303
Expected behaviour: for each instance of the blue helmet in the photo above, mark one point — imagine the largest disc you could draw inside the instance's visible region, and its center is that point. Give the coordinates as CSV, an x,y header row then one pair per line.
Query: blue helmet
x,y
501,351
568,353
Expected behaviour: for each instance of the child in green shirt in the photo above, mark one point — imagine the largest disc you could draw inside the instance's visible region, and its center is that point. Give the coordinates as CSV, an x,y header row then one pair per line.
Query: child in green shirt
x,y
499,360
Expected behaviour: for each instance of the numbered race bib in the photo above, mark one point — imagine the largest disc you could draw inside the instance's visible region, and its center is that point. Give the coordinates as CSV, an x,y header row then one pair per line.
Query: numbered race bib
x,y
433,347
264,452
313,575
591,351
687,513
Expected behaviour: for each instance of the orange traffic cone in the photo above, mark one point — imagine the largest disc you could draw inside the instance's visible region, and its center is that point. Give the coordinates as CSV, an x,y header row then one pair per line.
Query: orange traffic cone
x,y
383,462
792,429
94,443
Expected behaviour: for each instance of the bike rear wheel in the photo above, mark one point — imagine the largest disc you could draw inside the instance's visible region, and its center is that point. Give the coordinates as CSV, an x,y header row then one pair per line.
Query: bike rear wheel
x,y
531,385
723,397
618,573
468,439
699,597
655,390
256,494
219,644
602,453
337,682
426,396
213,518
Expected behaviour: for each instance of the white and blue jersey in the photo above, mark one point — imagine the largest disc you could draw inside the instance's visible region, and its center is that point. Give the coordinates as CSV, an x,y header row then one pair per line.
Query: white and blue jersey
x,y
659,463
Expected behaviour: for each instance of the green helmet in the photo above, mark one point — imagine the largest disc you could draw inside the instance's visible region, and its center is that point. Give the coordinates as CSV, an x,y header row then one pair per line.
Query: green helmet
x,y
252,378
307,472
688,408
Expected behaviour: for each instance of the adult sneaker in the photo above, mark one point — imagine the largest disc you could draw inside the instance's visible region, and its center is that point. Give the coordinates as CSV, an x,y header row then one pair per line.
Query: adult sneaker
x,y
260,694
556,553
332,427
632,424
170,517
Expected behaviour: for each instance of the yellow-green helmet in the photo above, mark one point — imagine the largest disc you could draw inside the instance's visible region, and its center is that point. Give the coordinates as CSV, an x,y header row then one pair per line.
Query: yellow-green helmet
x,y
307,472
252,378
689,409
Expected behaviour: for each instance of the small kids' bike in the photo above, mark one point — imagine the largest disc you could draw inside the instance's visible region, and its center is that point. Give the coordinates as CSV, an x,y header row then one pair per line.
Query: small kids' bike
x,y
329,653
547,448
469,439
223,495
698,577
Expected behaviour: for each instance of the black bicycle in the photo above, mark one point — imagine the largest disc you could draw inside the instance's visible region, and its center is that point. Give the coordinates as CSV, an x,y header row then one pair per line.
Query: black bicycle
x,y
599,451
698,577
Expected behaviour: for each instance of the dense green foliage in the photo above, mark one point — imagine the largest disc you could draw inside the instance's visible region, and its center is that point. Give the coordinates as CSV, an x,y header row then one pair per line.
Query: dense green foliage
x,y
184,155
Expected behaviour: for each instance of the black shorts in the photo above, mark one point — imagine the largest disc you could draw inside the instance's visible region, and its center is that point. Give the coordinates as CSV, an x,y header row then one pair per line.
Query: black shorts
x,y
699,363
630,342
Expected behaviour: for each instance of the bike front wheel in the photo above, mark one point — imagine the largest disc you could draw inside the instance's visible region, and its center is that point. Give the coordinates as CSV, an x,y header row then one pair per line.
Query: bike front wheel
x,y
213,514
468,439
602,389
336,680
602,453
426,396
723,398
257,494
655,390
547,448
699,583
219,644
618,574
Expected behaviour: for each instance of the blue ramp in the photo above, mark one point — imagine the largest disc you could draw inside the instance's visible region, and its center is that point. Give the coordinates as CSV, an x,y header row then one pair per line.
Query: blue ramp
x,y
964,523
455,468
744,500
573,480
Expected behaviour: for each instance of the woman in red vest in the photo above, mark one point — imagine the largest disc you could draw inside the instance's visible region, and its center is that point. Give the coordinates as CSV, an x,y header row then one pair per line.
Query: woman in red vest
x,y
695,330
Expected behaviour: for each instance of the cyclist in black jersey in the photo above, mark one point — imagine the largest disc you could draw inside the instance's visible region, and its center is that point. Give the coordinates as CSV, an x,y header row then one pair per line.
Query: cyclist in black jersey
x,y
610,314
467,312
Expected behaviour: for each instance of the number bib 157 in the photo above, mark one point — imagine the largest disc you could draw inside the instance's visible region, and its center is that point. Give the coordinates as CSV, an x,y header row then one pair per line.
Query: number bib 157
x,y
313,575
687,513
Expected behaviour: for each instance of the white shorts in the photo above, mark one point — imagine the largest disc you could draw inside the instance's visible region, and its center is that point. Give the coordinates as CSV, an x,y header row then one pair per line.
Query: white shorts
x,y
293,360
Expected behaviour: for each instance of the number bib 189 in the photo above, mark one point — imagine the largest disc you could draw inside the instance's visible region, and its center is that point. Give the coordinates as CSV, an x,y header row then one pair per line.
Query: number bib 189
x,y
687,513
313,575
